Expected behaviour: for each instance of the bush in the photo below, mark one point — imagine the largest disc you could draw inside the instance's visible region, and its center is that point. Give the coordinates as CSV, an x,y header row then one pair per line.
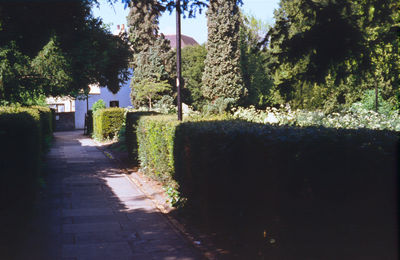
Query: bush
x,y
155,137
46,121
108,122
99,104
355,118
20,138
132,119
299,186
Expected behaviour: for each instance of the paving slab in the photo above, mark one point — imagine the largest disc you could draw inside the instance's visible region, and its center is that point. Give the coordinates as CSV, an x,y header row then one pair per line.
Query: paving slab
x,y
91,211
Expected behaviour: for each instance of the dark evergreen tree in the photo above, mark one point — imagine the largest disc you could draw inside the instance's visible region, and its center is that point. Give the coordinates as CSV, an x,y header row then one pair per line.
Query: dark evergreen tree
x,y
253,61
222,77
192,71
150,49
144,31
150,77
328,53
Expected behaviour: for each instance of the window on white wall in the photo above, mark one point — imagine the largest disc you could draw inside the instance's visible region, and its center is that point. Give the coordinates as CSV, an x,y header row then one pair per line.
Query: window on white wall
x,y
114,103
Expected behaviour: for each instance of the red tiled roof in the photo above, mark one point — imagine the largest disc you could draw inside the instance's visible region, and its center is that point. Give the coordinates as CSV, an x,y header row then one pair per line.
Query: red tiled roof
x,y
185,40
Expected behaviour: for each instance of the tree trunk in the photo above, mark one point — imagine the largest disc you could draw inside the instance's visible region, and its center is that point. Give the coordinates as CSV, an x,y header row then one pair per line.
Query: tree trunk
x,y
150,105
376,96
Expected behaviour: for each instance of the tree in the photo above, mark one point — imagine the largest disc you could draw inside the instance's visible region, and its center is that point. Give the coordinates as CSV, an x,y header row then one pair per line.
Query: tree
x,y
323,50
222,76
253,62
150,77
14,68
64,46
149,89
143,35
192,71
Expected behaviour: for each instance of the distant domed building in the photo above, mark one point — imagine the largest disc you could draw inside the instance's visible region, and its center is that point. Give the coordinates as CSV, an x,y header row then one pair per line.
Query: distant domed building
x,y
185,40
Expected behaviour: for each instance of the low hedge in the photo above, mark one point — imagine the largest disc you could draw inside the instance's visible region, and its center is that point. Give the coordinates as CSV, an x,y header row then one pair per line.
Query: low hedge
x,y
108,122
132,119
297,186
21,135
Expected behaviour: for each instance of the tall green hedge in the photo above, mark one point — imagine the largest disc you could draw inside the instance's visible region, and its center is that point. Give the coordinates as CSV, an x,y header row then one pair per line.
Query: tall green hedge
x,y
108,122
155,137
298,186
22,131
132,120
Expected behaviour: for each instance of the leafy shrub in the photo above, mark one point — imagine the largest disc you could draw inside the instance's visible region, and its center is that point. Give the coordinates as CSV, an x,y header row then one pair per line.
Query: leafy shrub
x,y
368,103
165,105
108,122
218,106
289,182
355,118
99,104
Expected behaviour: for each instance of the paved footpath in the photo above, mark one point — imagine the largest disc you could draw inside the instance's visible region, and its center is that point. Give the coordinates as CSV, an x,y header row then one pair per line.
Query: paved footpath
x,y
91,211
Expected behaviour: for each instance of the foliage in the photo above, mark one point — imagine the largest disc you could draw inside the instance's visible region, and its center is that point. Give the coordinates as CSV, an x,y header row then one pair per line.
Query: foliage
x,y
155,137
99,104
14,67
149,89
222,76
143,34
226,168
132,119
165,105
53,69
353,118
253,62
23,133
56,48
150,77
324,54
367,102
108,122
193,58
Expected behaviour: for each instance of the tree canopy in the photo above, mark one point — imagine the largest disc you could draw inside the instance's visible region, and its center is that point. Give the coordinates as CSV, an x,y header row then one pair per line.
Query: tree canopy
x,y
329,52
64,49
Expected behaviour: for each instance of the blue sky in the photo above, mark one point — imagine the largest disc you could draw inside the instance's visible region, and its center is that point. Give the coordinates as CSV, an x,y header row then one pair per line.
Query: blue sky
x,y
194,27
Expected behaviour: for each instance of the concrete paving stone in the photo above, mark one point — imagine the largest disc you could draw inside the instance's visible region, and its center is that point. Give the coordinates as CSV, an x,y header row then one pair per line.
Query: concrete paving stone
x,y
100,237
67,220
89,204
98,219
98,251
86,212
68,238
91,227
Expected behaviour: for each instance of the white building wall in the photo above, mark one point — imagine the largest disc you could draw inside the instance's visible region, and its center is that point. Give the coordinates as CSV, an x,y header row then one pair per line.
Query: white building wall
x,y
80,105
69,103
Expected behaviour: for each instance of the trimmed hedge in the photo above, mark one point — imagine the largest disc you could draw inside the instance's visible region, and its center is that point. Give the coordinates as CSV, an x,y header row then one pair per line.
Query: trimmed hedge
x,y
298,186
22,131
155,137
132,119
108,122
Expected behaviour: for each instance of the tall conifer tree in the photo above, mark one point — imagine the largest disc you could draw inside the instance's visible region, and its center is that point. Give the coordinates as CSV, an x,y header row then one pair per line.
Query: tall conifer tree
x,y
151,51
222,76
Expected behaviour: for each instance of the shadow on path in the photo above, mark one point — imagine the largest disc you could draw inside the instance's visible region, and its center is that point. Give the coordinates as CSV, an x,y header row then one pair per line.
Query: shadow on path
x,y
89,210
